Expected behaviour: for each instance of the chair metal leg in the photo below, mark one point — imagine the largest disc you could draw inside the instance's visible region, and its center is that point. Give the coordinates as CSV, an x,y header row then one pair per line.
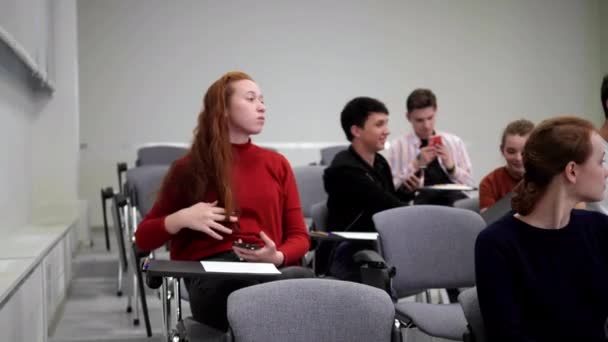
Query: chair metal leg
x,y
105,219
119,287
178,300
443,296
166,312
136,296
142,296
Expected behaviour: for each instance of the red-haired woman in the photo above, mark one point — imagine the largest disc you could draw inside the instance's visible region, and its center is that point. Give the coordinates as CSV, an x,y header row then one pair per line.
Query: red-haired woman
x,y
225,173
542,273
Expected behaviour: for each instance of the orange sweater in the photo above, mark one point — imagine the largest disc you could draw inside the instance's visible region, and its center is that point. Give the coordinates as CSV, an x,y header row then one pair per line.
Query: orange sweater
x,y
495,186
267,197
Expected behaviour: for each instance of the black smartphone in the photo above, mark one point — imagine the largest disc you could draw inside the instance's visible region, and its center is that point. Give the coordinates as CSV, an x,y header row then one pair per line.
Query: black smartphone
x,y
244,245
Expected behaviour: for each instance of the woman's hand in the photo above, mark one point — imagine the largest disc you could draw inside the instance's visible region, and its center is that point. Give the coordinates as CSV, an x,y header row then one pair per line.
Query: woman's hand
x,y
202,217
268,253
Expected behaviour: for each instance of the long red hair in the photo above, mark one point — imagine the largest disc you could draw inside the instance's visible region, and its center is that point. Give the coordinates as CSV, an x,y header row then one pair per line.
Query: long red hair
x,y
211,151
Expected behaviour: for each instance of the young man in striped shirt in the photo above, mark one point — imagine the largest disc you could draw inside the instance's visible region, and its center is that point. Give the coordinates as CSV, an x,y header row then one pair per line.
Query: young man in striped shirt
x,y
427,156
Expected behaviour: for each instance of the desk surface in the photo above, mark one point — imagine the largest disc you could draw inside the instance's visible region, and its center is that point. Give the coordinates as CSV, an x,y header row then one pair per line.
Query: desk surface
x,y
448,187
185,269
340,236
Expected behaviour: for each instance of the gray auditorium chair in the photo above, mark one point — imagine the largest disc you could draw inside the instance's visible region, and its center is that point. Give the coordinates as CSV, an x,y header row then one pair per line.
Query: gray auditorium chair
x,y
144,183
430,247
328,153
318,214
159,154
470,305
311,310
142,186
309,180
498,209
471,203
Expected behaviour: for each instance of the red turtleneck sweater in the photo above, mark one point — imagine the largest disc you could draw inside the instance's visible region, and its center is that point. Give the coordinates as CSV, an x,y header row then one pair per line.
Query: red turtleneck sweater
x,y
267,196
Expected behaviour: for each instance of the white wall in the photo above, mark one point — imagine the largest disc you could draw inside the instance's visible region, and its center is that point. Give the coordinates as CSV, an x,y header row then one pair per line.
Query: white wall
x,y
39,135
55,131
604,35
145,64
16,116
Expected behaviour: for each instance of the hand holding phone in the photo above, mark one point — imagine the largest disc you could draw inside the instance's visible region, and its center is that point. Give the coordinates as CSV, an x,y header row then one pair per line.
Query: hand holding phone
x,y
435,140
248,246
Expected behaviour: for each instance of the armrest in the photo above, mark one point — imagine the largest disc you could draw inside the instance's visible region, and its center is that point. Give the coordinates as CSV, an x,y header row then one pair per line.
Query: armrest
x,y
343,235
158,269
369,257
375,271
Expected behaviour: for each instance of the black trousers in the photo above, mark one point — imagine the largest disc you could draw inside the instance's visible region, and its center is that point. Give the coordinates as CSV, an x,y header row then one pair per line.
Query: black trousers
x,y
208,297
343,265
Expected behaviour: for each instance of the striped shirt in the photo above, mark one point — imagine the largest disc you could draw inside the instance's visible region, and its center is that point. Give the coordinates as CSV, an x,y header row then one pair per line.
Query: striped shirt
x,y
404,150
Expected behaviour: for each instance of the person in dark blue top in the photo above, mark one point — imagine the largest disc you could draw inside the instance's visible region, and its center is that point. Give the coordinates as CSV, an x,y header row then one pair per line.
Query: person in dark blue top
x,y
542,270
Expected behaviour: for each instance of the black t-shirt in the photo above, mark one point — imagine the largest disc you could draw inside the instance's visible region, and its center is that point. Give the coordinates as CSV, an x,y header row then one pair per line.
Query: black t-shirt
x,y
433,173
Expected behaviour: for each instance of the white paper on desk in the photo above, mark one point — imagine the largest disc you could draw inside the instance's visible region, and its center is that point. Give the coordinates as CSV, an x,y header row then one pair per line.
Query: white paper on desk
x,y
240,267
460,187
357,235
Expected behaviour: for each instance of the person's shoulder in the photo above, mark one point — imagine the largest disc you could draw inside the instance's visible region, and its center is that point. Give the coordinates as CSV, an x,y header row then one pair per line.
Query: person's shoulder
x,y
490,177
270,156
343,158
381,159
181,165
590,219
499,232
344,165
403,139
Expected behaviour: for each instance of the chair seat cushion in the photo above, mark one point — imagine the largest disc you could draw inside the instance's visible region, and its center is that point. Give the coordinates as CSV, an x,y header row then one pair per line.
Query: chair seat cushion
x,y
439,320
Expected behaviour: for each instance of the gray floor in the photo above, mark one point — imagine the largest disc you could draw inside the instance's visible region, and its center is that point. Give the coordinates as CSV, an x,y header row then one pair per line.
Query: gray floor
x,y
92,310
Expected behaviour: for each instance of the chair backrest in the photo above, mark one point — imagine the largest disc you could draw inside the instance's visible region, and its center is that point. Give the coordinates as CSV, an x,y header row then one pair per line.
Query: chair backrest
x,y
498,210
430,246
310,310
470,305
143,183
159,154
309,179
319,213
471,203
328,153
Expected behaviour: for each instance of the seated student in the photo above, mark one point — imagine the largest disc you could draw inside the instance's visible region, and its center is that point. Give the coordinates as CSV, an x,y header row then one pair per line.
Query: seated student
x,y
502,180
358,181
437,157
224,172
542,272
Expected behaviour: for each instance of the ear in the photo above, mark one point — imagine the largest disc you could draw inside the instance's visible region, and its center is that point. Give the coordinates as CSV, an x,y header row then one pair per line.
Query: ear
x,y
407,116
355,131
571,172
